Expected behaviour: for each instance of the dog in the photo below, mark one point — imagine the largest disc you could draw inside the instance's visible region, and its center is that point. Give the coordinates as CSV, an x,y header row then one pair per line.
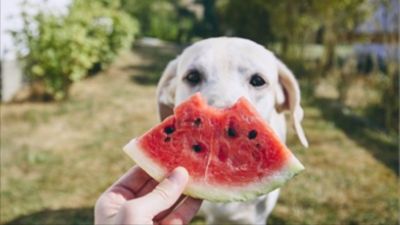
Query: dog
x,y
223,69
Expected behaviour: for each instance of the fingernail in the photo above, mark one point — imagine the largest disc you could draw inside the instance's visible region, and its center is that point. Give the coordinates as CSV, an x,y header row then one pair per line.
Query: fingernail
x,y
179,175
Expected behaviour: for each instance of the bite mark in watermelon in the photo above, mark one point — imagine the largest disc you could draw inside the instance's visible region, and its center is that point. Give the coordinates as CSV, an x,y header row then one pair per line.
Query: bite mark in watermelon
x,y
231,154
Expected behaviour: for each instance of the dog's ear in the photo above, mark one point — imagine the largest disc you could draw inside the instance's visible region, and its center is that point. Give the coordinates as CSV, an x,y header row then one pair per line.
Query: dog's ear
x,y
166,90
291,101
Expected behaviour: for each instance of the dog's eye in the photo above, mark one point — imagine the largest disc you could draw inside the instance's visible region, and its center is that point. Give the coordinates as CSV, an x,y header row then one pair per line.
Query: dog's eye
x,y
256,80
193,77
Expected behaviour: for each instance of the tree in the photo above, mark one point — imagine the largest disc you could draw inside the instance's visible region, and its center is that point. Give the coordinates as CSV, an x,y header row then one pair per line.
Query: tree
x,y
164,19
248,19
338,18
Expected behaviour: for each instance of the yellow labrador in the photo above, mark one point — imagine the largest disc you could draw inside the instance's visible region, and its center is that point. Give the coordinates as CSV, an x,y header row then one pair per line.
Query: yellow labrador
x,y
222,70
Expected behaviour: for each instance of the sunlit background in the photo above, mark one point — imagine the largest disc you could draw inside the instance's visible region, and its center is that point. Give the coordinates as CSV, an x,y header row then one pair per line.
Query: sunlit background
x,y
78,81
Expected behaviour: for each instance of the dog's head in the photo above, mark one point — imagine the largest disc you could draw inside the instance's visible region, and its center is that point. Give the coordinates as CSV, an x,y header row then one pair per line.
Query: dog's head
x,y
224,69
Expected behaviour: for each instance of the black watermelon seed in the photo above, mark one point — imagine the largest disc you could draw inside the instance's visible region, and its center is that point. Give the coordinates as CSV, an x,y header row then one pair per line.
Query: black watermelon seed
x,y
169,129
252,134
197,122
167,139
197,148
231,132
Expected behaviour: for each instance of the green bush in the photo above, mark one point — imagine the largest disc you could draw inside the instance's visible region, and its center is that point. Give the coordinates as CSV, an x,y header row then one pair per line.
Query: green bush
x,y
62,48
163,22
168,20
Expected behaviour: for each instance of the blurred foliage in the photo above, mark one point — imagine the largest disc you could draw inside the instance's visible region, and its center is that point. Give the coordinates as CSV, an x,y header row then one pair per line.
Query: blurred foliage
x,y
292,22
165,19
62,48
257,26
391,101
386,111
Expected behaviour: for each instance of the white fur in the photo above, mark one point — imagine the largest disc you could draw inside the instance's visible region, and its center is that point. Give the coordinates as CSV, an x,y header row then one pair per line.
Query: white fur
x,y
226,65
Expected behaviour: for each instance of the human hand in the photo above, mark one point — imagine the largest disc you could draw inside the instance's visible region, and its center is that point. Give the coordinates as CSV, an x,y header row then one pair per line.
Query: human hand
x,y
136,198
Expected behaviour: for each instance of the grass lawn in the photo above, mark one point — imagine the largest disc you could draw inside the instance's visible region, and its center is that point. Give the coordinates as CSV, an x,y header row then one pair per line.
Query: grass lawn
x,y
56,158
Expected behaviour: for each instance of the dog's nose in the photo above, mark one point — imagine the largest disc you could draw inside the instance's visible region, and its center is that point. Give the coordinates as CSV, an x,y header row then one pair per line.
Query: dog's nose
x,y
219,103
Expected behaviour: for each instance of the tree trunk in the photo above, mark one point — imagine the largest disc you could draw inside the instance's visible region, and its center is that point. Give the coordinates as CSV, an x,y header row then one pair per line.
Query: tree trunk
x,y
330,45
284,47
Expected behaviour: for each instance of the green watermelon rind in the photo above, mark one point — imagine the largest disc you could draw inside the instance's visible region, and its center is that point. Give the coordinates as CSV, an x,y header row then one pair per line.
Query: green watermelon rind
x,y
214,192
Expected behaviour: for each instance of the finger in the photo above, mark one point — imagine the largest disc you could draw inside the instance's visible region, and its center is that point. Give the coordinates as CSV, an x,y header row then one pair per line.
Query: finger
x,y
174,222
122,190
165,194
165,213
133,180
184,213
147,188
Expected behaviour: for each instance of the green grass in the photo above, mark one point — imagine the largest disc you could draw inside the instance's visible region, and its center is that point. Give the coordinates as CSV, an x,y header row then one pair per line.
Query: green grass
x,y
57,158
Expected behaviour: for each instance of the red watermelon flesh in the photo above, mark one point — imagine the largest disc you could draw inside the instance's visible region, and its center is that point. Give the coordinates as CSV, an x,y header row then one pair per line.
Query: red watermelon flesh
x,y
231,154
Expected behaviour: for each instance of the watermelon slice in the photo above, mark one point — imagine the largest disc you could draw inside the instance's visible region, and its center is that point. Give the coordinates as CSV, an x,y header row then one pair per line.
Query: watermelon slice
x,y
231,154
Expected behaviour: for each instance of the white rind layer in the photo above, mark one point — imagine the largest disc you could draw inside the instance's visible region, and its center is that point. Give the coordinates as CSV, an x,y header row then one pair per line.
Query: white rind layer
x,y
214,192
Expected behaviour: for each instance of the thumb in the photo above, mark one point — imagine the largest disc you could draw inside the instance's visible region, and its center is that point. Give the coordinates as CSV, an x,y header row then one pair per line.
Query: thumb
x,y
166,193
